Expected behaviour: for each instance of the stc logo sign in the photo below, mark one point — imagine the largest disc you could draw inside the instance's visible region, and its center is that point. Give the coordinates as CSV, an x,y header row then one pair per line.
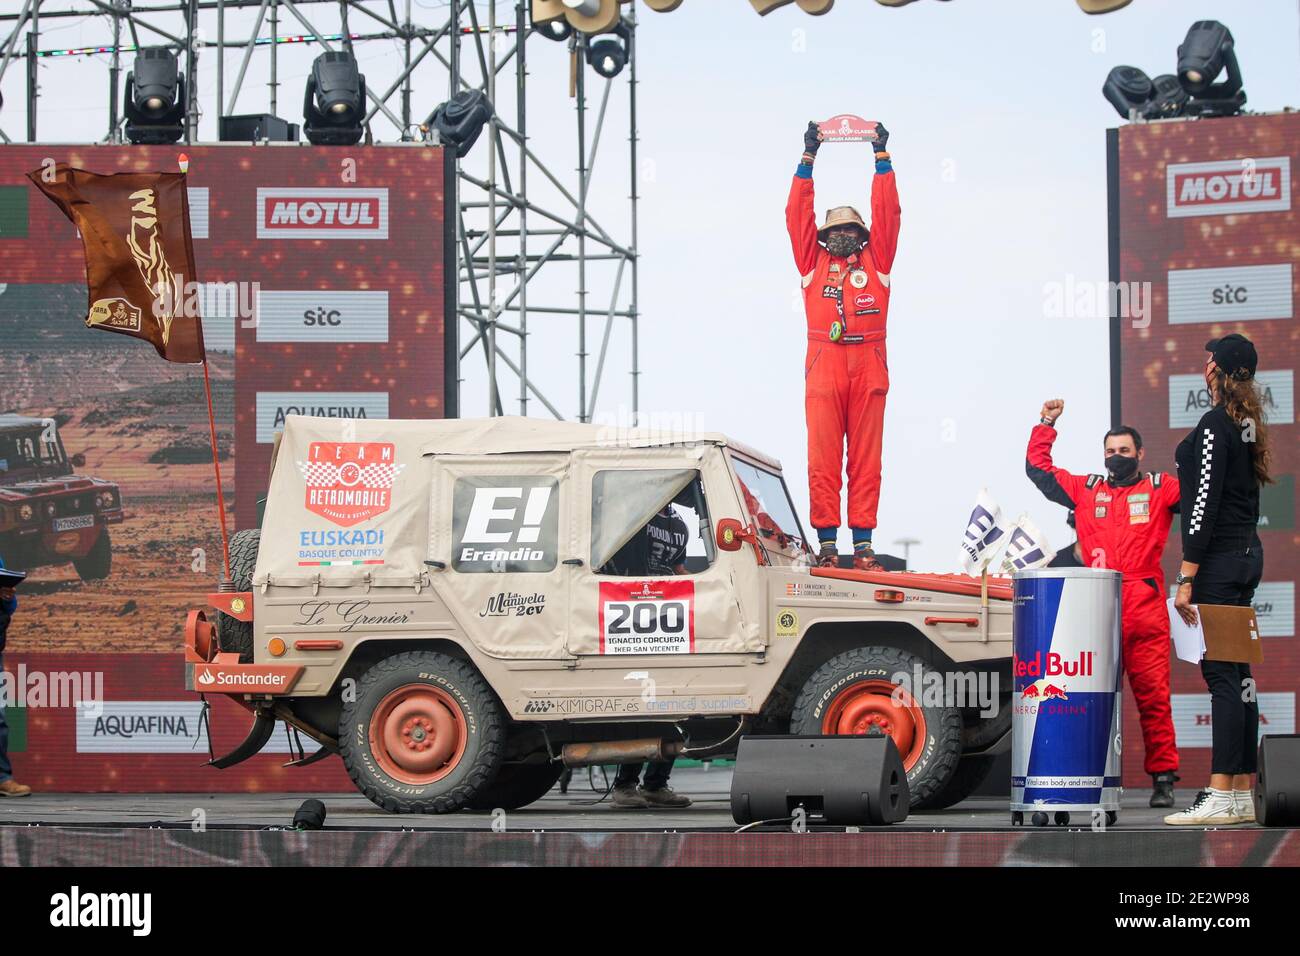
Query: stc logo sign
x,y
322,316
1234,186
1235,293
322,213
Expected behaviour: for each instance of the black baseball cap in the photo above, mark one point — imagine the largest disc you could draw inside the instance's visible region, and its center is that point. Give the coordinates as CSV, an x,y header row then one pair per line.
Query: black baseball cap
x,y
1234,354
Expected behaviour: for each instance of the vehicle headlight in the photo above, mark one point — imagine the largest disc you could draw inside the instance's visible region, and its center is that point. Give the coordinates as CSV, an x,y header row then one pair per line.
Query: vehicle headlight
x,y
26,513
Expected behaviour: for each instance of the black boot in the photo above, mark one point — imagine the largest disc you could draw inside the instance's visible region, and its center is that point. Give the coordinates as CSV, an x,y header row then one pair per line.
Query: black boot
x,y
1162,789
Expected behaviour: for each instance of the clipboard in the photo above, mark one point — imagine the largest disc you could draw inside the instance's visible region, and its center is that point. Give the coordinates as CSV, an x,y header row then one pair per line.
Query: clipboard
x,y
1221,633
1231,634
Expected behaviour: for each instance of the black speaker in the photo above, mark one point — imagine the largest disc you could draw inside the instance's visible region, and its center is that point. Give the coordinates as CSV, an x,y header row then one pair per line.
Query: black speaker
x,y
255,127
844,781
1277,782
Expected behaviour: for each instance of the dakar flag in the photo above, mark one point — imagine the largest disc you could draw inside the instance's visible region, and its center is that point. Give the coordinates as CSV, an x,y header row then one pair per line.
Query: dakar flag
x,y
135,228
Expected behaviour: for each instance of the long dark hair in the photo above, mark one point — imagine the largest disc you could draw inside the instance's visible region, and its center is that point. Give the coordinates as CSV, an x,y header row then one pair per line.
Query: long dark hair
x,y
1242,400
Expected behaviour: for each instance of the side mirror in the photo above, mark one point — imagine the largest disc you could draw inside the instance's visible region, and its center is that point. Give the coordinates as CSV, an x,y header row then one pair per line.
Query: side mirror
x,y
78,460
731,534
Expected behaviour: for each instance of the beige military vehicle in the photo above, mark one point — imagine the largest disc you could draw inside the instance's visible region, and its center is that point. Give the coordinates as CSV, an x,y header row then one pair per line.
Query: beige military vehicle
x,y
462,608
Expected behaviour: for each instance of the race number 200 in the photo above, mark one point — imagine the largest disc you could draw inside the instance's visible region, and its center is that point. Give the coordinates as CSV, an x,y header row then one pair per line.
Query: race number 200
x,y
647,617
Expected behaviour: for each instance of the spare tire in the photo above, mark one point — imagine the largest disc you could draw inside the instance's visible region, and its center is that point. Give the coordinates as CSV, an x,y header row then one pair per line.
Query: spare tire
x,y
235,636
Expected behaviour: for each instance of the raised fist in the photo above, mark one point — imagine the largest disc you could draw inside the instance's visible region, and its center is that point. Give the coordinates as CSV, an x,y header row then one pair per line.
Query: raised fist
x,y
882,138
812,138
1052,409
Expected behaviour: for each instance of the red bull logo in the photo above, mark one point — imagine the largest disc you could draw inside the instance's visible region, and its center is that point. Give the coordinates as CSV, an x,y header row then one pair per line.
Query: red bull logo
x,y
1054,665
1044,690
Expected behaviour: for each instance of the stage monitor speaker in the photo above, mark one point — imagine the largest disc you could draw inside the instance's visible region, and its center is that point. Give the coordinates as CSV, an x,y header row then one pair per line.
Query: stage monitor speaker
x,y
1277,784
255,127
842,781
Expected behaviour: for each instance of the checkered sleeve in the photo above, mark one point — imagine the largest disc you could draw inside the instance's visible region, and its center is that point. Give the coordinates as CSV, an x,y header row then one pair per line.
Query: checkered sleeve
x,y
1202,488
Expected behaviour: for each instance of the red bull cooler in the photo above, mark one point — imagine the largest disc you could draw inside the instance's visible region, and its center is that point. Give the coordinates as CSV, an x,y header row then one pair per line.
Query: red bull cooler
x,y
1065,718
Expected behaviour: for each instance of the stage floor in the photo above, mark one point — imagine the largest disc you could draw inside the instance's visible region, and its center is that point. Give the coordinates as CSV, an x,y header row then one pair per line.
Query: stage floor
x,y
579,828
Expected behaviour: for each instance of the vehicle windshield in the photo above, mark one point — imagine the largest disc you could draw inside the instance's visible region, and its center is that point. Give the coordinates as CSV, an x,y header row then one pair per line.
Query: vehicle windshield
x,y
23,455
770,506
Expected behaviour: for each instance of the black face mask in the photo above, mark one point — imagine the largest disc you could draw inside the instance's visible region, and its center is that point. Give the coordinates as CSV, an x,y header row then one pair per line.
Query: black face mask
x,y
839,244
1121,467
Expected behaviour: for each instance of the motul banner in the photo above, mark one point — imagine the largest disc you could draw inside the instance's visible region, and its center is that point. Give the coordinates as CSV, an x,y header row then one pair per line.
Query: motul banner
x,y
1205,212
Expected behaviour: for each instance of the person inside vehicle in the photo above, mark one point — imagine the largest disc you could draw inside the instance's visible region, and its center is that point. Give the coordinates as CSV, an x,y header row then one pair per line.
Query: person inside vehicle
x,y
1224,461
659,550
1123,520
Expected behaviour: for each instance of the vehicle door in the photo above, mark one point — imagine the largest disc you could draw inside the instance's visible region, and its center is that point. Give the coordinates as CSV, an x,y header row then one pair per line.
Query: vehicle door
x,y
618,608
495,540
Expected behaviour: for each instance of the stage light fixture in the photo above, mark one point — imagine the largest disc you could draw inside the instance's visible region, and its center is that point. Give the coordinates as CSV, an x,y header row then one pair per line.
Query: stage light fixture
x,y
461,119
334,101
1203,55
1207,51
557,29
1127,88
607,55
1168,98
155,98
310,816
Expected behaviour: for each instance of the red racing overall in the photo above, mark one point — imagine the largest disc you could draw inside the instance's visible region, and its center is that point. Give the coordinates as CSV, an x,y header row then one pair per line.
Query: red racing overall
x,y
845,382
1125,527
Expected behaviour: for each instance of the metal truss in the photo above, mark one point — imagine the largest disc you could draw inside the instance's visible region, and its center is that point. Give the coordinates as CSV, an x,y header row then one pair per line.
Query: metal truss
x,y
581,270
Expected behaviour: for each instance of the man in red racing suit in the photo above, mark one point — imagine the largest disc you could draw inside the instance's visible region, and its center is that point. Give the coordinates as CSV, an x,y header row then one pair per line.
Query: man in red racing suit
x,y
1123,521
844,268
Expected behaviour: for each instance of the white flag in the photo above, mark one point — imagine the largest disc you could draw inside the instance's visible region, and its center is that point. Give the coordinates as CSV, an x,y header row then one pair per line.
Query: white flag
x,y
1027,547
985,534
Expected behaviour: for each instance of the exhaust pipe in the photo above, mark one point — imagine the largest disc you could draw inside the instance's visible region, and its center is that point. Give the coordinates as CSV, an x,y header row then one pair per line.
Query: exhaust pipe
x,y
620,751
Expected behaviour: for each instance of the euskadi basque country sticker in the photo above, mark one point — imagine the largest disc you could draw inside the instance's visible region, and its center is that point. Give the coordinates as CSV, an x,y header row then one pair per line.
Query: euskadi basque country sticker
x,y
349,482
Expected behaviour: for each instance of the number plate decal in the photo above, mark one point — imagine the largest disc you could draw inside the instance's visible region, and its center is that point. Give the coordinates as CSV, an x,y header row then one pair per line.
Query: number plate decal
x,y
647,617
72,524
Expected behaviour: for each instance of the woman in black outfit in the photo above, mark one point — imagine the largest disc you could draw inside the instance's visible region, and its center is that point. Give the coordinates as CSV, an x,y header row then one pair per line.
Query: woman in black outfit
x,y
1221,466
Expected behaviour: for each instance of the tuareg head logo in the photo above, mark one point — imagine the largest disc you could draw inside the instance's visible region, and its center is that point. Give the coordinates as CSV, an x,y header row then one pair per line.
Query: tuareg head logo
x,y
350,482
504,524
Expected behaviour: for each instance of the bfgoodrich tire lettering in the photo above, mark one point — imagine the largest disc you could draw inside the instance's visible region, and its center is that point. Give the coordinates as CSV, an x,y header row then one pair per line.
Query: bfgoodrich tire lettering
x,y
460,689
931,758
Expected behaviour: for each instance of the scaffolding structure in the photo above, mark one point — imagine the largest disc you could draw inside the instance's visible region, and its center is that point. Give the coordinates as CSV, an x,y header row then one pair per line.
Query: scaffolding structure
x,y
507,240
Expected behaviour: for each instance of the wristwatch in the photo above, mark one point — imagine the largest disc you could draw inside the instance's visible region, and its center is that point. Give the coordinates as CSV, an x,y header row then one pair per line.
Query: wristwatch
x,y
1050,423
1184,579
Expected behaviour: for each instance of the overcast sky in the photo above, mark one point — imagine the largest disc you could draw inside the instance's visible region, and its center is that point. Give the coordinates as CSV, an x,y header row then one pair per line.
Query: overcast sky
x,y
997,125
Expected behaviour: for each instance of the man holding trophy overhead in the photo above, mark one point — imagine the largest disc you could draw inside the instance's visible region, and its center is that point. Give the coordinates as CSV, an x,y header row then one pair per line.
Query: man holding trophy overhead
x,y
844,268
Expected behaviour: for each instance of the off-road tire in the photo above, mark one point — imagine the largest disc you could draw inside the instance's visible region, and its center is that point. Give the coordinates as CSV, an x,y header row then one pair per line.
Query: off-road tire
x,y
942,747
517,785
970,773
234,636
98,562
484,733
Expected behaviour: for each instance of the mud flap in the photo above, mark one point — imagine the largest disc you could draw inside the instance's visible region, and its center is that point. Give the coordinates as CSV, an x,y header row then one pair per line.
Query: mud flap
x,y
258,735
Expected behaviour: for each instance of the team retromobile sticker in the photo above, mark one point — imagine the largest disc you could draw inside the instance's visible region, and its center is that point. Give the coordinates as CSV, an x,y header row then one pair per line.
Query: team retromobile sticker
x,y
350,482
647,617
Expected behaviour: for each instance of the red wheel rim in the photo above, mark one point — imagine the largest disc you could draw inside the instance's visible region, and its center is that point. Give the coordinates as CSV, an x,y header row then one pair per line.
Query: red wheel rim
x,y
417,734
879,706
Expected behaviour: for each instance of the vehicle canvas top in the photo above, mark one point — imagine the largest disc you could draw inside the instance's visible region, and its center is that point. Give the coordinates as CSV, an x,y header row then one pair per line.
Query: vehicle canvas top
x,y
348,501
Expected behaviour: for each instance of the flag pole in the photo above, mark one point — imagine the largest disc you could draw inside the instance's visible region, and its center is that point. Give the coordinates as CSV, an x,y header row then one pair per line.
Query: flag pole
x,y
984,603
216,465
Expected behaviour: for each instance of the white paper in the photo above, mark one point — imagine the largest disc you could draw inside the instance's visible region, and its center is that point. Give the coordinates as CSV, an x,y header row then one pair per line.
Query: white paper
x,y
1189,639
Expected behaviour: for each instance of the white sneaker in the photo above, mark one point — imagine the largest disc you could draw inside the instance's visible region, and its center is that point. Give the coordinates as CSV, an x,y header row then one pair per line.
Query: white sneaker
x,y
1211,808
1244,804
